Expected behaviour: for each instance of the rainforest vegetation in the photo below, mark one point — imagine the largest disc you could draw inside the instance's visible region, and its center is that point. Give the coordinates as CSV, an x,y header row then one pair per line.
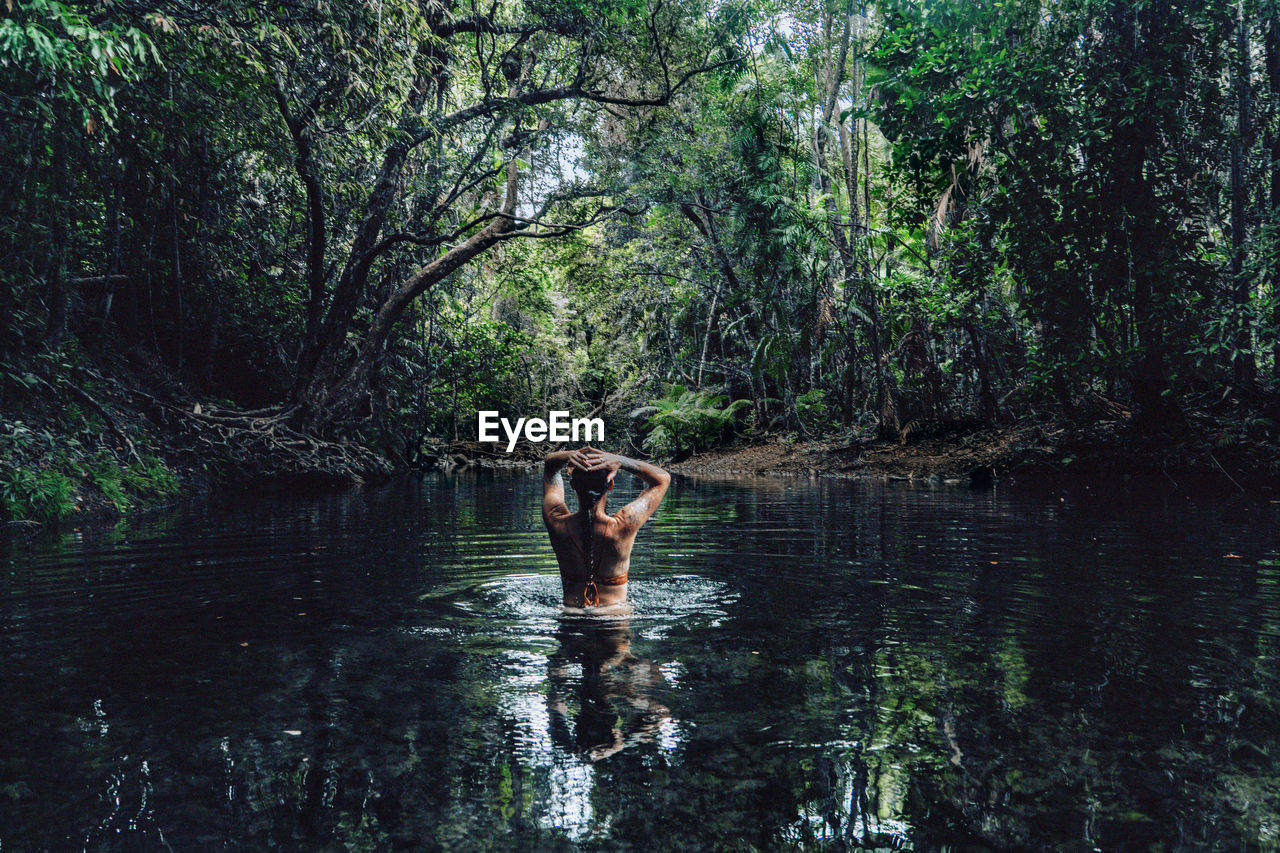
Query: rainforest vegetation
x,y
320,234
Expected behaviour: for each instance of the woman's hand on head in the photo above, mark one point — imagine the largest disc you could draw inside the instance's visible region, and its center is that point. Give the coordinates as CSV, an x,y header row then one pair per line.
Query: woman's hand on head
x,y
601,460
578,460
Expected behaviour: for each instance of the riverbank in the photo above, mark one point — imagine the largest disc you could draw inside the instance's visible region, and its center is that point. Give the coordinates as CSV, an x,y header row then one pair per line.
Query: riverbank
x,y
1226,456
1214,452
81,444
78,444
72,446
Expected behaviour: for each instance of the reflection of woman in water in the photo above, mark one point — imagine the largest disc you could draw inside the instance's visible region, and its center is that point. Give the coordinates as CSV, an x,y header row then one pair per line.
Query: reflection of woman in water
x,y
616,708
593,547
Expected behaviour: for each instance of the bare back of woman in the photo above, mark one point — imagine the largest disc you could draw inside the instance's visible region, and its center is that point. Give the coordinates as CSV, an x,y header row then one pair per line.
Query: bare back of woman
x,y
593,547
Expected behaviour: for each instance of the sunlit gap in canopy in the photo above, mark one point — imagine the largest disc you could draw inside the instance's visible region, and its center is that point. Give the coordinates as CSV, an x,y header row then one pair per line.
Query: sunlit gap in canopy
x,y
555,168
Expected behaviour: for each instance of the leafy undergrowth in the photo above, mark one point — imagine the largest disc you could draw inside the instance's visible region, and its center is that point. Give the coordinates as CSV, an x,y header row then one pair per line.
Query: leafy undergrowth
x,y
63,452
46,475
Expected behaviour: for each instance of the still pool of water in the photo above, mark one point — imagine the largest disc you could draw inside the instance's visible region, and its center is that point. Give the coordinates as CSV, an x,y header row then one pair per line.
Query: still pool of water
x,y
811,665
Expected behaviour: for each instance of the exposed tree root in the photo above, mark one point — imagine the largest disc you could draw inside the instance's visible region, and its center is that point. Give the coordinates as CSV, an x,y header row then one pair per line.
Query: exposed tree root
x,y
90,401
239,445
260,444
250,447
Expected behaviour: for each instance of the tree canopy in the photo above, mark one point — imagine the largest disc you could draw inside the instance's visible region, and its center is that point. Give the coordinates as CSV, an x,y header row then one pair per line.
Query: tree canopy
x,y
370,218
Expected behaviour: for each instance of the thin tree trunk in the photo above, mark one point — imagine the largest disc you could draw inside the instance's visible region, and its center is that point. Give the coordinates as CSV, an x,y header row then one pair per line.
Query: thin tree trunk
x,y
883,403
319,363
706,336
986,397
1273,80
705,223
175,248
1242,358
849,153
317,230
56,275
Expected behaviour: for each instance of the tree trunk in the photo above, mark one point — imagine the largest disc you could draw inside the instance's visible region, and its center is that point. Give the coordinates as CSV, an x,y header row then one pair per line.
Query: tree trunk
x,y
1144,240
706,337
323,346
1273,81
1243,366
56,277
328,401
883,398
705,223
986,397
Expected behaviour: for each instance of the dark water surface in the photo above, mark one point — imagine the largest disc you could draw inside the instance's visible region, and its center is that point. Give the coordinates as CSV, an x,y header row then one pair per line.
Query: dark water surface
x,y
811,665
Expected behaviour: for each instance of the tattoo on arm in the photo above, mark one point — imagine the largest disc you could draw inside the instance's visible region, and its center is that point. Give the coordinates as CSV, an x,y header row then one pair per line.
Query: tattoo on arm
x,y
633,467
638,510
552,493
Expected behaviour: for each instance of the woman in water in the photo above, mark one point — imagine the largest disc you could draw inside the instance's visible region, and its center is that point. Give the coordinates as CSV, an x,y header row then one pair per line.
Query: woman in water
x,y
593,547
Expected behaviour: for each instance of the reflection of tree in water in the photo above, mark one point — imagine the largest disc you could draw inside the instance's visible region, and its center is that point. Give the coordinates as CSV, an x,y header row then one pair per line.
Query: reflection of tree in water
x,y
1142,729
614,691
1062,703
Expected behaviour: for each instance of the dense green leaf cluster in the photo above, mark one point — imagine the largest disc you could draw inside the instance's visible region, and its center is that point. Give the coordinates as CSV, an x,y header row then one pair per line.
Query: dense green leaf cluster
x,y
367,219
682,421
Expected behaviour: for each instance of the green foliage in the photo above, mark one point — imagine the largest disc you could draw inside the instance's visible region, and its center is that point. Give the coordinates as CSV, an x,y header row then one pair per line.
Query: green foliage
x,y
51,494
812,410
848,216
50,47
149,477
50,470
475,365
1074,149
104,475
1218,344
121,486
40,495
683,421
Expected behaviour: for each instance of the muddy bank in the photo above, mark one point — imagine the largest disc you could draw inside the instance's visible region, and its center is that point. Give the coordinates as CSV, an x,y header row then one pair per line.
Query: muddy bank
x,y
1223,456
980,455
